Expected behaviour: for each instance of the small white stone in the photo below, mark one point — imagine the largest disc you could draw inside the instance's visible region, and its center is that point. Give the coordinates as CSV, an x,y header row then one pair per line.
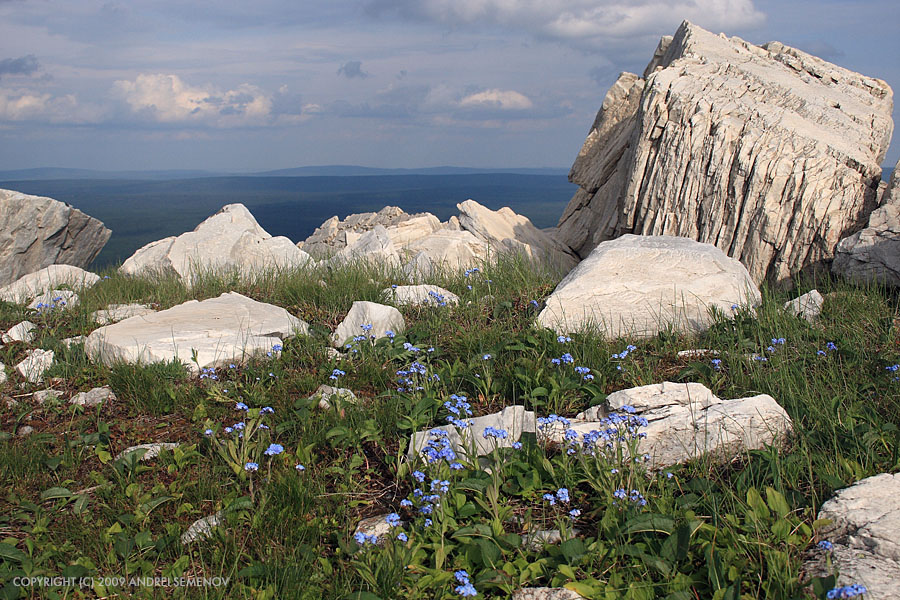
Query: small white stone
x,y
94,397
808,306
35,364
202,528
23,332
152,450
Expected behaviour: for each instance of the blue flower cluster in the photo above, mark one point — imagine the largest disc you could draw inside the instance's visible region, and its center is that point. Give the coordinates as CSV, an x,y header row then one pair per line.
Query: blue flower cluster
x,y
335,374
634,496
411,378
847,591
439,448
465,587
624,353
364,539
274,449
825,545
562,495
500,434
209,373
438,298
459,409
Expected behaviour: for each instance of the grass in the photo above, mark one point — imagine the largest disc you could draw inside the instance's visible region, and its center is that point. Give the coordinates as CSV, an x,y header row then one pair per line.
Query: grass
x,y
706,530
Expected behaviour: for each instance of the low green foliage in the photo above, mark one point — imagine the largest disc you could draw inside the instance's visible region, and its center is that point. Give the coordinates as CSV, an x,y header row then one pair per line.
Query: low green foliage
x,y
291,481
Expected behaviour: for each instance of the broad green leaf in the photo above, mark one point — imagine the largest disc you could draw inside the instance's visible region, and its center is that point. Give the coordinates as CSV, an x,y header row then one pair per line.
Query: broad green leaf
x,y
777,502
10,552
56,492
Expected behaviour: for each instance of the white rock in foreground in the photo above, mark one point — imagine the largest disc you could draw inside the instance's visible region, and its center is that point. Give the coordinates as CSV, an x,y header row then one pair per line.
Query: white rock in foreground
x,y
94,397
152,450
23,332
221,330
54,300
686,421
119,312
229,240
514,419
327,394
865,534
637,285
3,375
808,306
419,295
36,362
53,277
202,528
382,318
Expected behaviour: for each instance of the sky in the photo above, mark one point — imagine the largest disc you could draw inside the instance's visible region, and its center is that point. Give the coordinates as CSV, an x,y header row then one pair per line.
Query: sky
x,y
244,86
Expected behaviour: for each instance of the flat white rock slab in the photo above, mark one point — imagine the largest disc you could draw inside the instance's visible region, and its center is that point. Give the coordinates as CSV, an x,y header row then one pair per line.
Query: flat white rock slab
x,y
220,330
23,332
35,364
119,312
381,317
420,295
514,419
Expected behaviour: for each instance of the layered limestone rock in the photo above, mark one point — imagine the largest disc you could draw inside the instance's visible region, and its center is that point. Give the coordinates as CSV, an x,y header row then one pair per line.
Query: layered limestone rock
x,y
205,334
873,254
334,235
36,232
864,530
229,240
769,153
638,286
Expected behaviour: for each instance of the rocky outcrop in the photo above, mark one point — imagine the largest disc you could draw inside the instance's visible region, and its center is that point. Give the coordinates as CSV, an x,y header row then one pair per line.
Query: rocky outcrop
x,y
119,312
36,232
638,286
34,284
769,153
687,421
206,334
230,240
873,254
864,532
422,244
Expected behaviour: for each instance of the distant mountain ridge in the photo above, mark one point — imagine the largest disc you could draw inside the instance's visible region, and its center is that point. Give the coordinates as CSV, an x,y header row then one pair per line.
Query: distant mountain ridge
x,y
51,173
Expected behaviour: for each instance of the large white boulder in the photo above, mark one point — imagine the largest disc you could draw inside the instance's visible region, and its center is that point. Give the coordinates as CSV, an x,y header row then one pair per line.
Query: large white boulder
x,y
47,279
229,240
767,152
687,421
374,247
36,232
638,285
219,330
515,420
864,531
368,319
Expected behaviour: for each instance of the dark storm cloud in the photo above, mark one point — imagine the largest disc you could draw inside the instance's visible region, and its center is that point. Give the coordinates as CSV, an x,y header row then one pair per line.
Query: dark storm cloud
x,y
352,69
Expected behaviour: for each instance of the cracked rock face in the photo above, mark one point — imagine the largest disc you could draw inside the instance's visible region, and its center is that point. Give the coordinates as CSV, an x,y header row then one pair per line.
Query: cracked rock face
x,y
36,232
769,153
638,285
865,534
873,254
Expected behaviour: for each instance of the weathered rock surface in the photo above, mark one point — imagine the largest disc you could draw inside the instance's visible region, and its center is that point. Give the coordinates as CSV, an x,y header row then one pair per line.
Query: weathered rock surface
x,y
229,240
505,230
382,319
119,312
377,526
34,365
36,232
42,396
93,397
873,254
152,450
865,534
637,285
326,394
334,235
22,332
420,295
3,375
54,300
769,153
49,278
808,306
686,421
515,420
373,247
546,593
221,330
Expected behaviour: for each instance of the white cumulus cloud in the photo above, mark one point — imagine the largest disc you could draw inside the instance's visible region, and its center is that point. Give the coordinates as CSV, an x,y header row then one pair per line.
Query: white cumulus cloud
x,y
25,105
169,99
500,99
583,22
